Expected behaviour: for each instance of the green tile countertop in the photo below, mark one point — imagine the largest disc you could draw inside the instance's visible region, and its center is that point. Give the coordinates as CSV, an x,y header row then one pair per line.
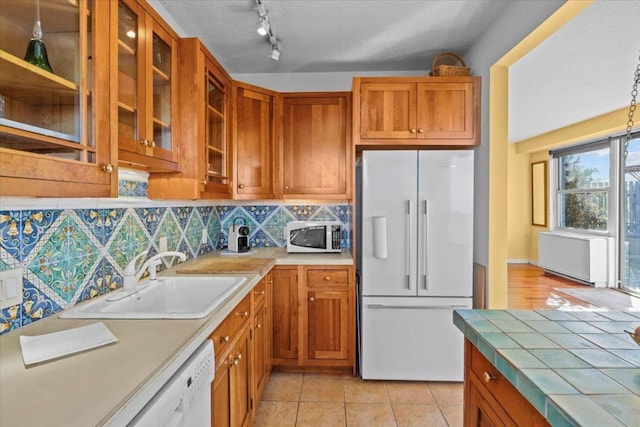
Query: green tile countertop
x,y
576,368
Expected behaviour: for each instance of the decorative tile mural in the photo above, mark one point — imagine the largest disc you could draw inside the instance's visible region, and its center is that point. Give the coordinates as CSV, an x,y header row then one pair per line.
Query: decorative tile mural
x,y
70,255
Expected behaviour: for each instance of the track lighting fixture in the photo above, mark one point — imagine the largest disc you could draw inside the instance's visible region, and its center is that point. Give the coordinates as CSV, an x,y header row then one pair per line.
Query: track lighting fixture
x,y
264,29
275,52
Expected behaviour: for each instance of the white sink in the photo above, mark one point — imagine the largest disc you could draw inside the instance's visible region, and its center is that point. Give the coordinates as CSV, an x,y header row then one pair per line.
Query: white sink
x,y
170,297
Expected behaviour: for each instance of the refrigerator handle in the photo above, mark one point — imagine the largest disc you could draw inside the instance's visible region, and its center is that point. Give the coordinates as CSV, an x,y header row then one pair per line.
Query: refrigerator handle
x,y
425,227
408,243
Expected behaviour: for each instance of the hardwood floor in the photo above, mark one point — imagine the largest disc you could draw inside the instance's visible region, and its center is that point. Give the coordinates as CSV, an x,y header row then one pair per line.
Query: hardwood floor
x,y
530,288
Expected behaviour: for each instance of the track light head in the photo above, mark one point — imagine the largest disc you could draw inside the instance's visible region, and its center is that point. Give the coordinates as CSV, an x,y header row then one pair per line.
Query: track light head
x,y
263,26
275,52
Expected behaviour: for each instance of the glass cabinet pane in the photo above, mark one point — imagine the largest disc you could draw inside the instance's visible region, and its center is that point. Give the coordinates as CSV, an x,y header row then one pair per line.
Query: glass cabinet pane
x,y
41,111
128,126
161,93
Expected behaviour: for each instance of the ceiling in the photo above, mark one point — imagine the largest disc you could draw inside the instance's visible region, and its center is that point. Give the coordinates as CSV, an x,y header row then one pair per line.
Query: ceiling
x,y
334,35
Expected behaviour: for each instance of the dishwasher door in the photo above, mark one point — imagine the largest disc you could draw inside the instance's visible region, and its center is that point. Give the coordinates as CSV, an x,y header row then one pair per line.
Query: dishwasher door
x,y
185,400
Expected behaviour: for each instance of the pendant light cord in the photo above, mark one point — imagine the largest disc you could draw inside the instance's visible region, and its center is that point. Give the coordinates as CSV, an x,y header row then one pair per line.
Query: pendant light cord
x,y
632,108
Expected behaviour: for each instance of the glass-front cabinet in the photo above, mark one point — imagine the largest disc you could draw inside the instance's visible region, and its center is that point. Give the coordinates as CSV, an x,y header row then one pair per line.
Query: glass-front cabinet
x,y
53,73
146,68
217,178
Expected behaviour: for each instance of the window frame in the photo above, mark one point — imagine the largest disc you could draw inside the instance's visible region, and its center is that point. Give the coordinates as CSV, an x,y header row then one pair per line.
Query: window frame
x,y
612,143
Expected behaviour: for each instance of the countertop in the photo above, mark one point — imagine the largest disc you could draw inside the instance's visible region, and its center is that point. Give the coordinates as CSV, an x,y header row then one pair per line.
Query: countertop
x,y
110,384
577,368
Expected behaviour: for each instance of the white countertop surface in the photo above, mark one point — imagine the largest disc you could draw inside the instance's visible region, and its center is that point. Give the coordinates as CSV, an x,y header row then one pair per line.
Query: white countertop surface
x,y
110,384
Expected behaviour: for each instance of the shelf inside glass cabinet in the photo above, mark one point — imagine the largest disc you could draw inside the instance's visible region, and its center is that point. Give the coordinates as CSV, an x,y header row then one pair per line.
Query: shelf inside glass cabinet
x,y
18,74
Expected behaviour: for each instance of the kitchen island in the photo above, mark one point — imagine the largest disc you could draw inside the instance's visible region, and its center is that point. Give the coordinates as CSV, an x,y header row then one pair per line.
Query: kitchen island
x,y
110,384
575,368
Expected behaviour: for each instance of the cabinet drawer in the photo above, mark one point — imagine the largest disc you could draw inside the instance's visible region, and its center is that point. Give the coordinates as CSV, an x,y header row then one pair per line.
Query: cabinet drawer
x,y
258,293
327,277
224,333
495,384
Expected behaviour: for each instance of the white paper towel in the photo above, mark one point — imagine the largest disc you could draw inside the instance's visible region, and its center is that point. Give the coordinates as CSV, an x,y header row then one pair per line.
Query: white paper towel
x,y
40,348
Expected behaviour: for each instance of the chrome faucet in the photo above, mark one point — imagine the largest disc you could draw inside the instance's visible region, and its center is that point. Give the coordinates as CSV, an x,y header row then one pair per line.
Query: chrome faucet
x,y
130,278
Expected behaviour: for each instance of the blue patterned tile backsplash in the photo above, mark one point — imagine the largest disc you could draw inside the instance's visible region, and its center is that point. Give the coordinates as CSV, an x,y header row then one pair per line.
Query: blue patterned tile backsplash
x,y
70,255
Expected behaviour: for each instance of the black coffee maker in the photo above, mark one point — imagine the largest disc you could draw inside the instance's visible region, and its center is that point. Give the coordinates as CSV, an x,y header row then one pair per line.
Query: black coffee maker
x,y
239,236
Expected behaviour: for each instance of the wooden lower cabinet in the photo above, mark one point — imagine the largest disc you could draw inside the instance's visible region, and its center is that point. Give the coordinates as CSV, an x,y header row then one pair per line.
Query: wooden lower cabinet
x,y
314,317
490,399
285,314
261,339
232,394
242,344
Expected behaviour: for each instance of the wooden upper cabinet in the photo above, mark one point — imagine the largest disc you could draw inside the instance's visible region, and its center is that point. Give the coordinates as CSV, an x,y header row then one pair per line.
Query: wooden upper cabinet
x,y
388,110
202,129
54,125
437,111
253,138
145,68
316,145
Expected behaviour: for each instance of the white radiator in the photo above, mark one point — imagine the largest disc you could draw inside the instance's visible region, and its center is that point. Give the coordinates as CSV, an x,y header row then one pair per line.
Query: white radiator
x,y
583,257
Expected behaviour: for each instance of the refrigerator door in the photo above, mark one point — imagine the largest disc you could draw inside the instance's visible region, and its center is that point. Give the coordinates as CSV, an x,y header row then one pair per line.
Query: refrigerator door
x,y
412,338
445,224
389,222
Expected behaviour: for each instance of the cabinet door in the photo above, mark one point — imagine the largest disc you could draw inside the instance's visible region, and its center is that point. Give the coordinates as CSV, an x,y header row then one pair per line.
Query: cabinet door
x,y
388,110
316,145
217,154
327,325
253,137
130,25
285,313
260,355
445,111
54,125
146,63
221,398
240,380
480,413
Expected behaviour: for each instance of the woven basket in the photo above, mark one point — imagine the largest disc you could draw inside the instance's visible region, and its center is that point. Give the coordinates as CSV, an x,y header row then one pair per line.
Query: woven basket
x,y
449,70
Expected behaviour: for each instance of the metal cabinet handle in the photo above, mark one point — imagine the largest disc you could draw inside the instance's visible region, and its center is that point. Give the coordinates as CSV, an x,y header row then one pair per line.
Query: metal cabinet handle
x,y
152,144
108,168
204,181
258,326
241,186
225,338
243,313
488,377
421,130
259,292
312,299
412,130
286,187
327,278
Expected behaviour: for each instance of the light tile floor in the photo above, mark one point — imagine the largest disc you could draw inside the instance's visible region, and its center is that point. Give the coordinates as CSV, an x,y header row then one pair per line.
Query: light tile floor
x,y
312,400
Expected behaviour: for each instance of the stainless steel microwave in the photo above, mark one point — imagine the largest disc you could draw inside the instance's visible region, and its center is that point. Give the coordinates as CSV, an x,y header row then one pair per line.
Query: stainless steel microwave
x,y
314,236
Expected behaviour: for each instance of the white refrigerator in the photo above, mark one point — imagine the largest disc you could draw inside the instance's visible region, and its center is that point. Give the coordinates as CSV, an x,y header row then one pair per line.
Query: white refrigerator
x,y
416,262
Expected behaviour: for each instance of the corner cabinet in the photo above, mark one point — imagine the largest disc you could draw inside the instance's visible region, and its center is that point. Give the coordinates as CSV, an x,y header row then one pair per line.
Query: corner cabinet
x,y
253,136
316,148
203,129
314,318
54,129
143,67
417,111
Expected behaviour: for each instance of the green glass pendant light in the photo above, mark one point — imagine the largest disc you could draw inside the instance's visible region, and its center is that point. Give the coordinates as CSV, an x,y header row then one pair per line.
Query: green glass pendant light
x,y
37,51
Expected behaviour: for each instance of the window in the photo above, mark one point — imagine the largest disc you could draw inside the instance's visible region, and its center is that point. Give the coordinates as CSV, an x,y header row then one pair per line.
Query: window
x,y
583,189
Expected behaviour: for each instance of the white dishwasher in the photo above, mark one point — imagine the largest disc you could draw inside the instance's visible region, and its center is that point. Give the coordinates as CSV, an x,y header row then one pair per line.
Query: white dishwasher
x,y
185,400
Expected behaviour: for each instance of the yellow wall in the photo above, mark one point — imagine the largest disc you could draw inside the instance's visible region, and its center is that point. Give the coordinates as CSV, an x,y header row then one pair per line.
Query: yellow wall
x,y
519,206
499,149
